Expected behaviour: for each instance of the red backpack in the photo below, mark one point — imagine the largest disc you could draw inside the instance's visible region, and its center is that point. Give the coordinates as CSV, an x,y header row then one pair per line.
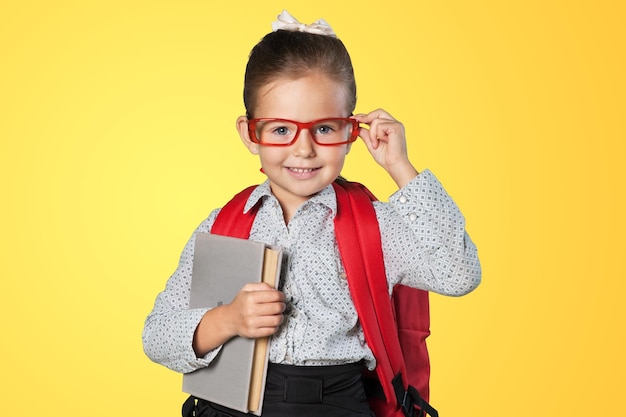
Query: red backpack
x,y
403,368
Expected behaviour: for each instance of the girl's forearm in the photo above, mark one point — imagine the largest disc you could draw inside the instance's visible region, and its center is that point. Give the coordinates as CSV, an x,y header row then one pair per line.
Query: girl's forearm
x,y
212,331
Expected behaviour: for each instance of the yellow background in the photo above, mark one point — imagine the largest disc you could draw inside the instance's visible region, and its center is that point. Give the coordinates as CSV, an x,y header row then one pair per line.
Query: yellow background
x,y
117,138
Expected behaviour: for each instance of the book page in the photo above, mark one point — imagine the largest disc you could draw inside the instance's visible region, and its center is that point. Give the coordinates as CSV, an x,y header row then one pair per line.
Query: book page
x,y
270,268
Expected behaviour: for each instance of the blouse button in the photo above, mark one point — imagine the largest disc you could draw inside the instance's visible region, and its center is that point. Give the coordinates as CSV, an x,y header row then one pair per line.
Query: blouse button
x,y
403,199
343,275
412,217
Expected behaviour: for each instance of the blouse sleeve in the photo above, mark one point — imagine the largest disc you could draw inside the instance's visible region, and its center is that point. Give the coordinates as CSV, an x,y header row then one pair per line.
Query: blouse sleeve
x,y
424,240
168,330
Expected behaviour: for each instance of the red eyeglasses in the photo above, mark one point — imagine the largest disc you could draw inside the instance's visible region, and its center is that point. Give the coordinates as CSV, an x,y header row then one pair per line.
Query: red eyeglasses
x,y
283,132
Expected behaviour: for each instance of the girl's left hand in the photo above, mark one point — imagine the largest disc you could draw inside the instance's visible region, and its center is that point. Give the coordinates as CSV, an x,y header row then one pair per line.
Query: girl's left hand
x,y
386,142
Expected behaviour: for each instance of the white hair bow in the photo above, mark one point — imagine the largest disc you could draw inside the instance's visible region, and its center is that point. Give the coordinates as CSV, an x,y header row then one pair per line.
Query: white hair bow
x,y
288,22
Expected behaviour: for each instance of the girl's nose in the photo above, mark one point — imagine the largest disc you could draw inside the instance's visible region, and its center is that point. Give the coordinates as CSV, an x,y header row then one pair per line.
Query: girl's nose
x,y
304,146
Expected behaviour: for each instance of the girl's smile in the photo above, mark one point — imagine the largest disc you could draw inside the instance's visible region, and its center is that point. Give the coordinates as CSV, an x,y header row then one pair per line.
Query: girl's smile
x,y
302,172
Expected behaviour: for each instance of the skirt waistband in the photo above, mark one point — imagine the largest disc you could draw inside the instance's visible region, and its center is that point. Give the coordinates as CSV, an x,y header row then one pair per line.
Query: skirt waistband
x,y
313,384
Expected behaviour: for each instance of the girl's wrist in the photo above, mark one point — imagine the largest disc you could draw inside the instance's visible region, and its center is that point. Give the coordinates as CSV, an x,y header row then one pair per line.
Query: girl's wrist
x,y
403,173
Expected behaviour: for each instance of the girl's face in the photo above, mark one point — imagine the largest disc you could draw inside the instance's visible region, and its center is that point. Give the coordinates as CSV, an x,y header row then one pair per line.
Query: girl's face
x,y
298,171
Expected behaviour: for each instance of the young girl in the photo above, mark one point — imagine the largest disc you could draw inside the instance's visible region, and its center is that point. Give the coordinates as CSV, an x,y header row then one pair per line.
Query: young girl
x,y
300,94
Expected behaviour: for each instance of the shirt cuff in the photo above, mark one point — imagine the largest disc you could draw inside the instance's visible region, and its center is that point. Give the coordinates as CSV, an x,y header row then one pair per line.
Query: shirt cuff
x,y
421,195
191,362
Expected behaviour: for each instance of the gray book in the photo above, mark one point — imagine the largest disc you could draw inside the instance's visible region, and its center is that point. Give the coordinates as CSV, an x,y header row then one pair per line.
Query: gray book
x,y
221,267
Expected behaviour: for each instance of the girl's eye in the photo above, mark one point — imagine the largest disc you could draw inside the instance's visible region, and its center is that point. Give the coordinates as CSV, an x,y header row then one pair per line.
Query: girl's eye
x,y
281,130
324,129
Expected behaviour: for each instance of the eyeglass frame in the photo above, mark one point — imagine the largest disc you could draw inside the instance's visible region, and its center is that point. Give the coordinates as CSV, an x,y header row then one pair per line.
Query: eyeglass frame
x,y
302,126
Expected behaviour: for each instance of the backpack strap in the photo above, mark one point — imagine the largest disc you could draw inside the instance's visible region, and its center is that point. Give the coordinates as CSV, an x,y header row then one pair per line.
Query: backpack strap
x,y
361,253
358,238
231,220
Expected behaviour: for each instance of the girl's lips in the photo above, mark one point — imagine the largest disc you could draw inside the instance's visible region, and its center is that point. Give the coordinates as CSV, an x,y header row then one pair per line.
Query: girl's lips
x,y
302,172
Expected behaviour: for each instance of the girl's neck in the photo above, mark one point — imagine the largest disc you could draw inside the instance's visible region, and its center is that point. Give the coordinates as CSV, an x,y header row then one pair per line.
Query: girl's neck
x,y
290,208
289,203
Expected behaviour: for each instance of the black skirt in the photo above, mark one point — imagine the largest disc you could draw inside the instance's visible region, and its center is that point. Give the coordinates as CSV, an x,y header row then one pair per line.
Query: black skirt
x,y
303,391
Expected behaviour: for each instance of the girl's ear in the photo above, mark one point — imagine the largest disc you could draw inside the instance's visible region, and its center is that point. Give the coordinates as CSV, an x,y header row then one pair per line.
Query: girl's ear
x,y
242,128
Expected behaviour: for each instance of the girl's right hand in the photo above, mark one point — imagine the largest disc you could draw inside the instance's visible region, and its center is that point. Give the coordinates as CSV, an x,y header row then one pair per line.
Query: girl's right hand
x,y
257,310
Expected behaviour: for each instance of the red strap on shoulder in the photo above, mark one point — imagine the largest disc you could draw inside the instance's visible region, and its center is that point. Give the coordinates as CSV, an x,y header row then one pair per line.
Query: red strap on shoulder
x,y
361,252
231,220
